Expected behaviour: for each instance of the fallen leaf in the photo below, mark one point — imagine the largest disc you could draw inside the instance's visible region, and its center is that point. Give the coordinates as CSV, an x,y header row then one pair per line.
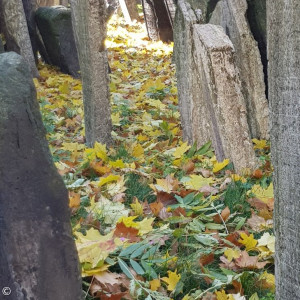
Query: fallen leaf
x,y
248,241
172,280
249,262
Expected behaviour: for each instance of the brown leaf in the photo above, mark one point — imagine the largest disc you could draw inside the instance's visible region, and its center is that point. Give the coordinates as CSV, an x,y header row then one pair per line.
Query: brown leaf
x,y
164,214
74,199
156,207
129,233
258,204
266,214
166,198
256,223
228,264
206,259
234,239
179,211
224,214
188,167
208,190
206,173
249,262
257,174
209,296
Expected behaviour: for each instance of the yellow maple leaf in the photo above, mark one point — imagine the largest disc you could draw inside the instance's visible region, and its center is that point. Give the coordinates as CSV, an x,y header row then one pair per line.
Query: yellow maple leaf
x,y
218,166
100,151
259,144
269,280
263,194
117,164
267,240
129,221
138,151
197,182
109,178
221,295
172,280
154,284
232,253
178,153
64,88
96,271
145,226
74,200
115,118
248,241
93,247
137,207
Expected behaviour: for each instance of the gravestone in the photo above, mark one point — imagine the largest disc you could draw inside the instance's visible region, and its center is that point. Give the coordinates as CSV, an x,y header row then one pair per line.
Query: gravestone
x,y
185,18
38,256
55,26
218,107
231,15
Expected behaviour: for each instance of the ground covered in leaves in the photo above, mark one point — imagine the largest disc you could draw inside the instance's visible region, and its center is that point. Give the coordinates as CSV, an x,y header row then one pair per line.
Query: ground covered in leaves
x,y
154,217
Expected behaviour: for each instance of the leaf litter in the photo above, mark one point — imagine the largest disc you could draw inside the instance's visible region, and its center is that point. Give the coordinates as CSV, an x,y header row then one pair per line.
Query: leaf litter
x,y
154,217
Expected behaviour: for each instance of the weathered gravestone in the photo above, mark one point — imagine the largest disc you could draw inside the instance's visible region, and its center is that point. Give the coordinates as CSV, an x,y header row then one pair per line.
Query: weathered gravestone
x,y
38,257
219,109
231,15
185,18
55,26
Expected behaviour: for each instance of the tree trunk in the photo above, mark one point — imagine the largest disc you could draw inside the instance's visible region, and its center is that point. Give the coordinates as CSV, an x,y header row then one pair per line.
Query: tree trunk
x,y
38,257
129,10
283,25
16,32
88,18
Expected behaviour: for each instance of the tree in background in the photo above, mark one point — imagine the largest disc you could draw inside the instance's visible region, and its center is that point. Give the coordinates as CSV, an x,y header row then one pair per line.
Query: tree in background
x,y
284,95
89,25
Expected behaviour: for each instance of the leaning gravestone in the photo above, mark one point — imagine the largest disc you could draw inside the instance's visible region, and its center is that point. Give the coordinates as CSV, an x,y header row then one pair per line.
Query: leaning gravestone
x,y
231,15
219,104
38,257
55,26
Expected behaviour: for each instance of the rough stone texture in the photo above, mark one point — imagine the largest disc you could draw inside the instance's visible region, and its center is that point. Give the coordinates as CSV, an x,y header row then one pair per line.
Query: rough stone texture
x,y
220,105
231,15
284,95
14,26
29,9
38,257
158,19
55,26
185,18
88,18
206,6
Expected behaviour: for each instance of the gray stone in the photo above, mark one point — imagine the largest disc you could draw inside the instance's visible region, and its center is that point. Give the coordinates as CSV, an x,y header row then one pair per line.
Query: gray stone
x,y
55,26
218,108
185,18
38,256
231,15
206,7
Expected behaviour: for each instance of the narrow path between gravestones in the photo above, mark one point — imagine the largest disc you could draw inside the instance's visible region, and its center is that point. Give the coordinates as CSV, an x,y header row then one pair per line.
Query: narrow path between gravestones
x,y
167,200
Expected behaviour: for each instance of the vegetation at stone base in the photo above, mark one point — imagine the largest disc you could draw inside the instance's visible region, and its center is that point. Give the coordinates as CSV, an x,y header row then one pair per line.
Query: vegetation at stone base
x,y
154,217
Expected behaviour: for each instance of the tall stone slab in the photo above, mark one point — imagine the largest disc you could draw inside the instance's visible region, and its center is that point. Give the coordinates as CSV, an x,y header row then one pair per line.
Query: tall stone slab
x,y
220,102
38,258
55,26
231,15
185,18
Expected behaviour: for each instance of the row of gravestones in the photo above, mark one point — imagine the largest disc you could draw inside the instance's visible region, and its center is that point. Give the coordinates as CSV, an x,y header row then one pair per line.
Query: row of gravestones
x,y
221,86
56,42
